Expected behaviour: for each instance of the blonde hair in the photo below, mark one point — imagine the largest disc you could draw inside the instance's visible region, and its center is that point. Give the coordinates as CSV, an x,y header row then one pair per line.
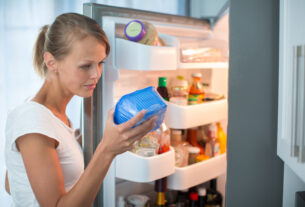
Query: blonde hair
x,y
59,37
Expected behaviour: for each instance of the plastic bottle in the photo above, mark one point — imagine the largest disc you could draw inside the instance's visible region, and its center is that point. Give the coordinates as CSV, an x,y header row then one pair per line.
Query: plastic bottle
x,y
141,32
121,201
193,199
162,90
202,192
179,91
222,138
181,151
212,148
196,93
192,138
214,198
182,198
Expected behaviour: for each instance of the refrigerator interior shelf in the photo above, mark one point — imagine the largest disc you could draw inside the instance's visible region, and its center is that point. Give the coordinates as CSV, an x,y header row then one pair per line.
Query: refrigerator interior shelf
x,y
135,56
206,65
197,173
132,167
183,117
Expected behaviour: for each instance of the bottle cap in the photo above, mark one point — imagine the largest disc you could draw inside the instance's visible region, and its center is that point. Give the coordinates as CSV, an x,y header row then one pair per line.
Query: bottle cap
x,y
135,30
202,191
193,196
197,75
162,81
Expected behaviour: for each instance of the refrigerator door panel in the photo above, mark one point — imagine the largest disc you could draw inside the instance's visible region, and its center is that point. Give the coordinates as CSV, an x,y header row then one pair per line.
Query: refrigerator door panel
x,y
121,71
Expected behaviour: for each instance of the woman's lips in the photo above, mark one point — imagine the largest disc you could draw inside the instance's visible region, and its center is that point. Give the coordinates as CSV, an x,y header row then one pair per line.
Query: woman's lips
x,y
90,87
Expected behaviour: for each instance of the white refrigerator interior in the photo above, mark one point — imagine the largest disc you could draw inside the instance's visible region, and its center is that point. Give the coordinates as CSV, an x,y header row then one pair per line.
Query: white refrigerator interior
x,y
132,66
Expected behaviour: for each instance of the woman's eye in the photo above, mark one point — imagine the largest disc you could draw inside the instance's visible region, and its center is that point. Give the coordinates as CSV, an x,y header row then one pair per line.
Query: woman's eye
x,y
85,66
100,63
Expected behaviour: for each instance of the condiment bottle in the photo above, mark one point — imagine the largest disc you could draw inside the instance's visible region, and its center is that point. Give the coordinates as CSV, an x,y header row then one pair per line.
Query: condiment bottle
x,y
222,138
162,90
179,89
212,148
192,138
196,90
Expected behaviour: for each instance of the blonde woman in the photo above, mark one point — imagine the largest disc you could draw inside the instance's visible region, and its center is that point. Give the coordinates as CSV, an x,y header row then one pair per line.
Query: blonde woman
x,y
44,160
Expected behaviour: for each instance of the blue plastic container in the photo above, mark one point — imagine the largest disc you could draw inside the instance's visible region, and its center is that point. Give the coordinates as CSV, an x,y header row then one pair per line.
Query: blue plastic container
x,y
131,104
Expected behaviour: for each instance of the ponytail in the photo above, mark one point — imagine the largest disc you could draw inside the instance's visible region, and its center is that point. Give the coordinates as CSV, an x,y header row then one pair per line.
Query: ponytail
x,y
39,50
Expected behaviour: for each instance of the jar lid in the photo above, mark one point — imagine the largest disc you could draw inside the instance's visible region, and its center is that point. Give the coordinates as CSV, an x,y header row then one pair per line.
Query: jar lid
x,y
193,150
197,75
135,30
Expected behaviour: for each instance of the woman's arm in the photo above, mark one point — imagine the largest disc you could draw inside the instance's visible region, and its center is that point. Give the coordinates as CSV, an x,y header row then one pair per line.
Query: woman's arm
x,y
7,184
44,171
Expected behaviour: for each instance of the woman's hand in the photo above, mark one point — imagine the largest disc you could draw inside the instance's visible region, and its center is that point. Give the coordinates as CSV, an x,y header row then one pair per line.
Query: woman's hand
x,y
120,138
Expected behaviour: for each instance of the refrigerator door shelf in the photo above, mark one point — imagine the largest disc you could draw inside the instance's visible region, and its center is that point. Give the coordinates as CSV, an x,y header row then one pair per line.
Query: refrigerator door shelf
x,y
135,56
183,117
198,173
132,167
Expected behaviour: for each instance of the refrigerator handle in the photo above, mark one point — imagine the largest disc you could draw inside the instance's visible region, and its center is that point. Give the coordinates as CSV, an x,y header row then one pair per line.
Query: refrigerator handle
x,y
294,148
301,77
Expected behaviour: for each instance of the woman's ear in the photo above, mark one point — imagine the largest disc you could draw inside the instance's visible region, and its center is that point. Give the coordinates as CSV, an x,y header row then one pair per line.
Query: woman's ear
x,y
50,62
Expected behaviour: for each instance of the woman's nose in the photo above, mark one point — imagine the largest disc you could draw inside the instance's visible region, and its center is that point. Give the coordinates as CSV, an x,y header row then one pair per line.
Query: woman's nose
x,y
96,72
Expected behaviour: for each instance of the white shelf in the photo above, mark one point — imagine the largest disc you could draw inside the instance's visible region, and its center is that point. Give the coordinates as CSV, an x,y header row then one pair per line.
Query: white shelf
x,y
197,173
203,65
132,167
183,117
135,56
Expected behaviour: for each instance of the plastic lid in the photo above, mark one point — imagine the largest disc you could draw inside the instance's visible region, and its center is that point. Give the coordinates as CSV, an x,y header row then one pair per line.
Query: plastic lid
x,y
202,191
135,30
194,150
197,75
162,81
193,196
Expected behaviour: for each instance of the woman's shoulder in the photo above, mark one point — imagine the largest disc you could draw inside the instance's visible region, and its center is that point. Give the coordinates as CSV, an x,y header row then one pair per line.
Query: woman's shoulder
x,y
29,109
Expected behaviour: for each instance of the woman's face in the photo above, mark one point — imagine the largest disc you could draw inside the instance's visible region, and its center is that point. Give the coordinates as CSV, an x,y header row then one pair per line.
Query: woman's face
x,y
81,69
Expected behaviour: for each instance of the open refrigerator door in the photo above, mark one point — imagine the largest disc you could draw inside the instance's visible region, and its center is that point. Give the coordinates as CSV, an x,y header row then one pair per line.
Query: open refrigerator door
x,y
189,47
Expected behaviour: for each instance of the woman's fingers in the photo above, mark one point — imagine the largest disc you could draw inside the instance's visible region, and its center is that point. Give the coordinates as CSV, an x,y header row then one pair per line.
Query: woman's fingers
x,y
141,130
130,123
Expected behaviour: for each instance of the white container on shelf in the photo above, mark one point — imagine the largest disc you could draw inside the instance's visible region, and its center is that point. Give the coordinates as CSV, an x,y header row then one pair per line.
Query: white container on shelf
x,y
183,117
136,56
195,174
132,167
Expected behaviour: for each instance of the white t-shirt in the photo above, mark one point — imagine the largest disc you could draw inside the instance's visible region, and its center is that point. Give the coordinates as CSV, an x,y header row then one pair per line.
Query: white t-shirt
x,y
32,117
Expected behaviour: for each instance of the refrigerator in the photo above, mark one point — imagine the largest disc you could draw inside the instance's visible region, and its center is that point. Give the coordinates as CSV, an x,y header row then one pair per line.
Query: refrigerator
x,y
132,66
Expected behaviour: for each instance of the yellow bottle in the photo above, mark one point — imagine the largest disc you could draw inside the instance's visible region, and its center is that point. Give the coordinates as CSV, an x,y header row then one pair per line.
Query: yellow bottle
x,y
222,138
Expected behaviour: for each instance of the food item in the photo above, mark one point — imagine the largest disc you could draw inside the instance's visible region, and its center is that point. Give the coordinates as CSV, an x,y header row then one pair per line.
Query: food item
x,y
212,148
222,138
148,146
181,151
200,158
142,32
162,90
196,93
192,138
193,153
131,104
179,91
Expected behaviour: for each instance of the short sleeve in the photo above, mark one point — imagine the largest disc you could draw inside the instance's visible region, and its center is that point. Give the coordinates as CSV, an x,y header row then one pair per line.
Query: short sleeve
x,y
27,119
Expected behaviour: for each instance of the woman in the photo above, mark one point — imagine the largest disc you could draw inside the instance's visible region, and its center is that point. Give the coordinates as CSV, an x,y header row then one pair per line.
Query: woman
x,y
44,161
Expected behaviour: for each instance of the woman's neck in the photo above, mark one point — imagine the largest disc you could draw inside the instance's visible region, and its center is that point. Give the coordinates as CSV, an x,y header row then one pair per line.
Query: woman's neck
x,y
53,96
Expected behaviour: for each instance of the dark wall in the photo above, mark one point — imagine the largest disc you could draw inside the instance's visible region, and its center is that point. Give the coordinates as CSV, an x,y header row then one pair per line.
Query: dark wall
x,y
255,172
